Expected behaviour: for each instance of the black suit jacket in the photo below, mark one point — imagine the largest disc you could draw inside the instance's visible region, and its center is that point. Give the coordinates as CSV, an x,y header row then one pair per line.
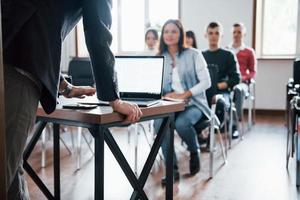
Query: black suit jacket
x,y
33,32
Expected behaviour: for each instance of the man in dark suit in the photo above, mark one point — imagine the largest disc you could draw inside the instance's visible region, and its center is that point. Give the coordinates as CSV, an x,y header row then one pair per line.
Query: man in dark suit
x,y
33,31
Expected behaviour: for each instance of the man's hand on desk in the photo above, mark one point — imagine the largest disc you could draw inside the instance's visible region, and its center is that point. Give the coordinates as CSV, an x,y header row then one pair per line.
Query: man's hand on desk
x,y
69,90
132,111
81,91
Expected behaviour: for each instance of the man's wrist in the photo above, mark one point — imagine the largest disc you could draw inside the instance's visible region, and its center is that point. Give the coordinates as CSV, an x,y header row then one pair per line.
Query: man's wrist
x,y
114,103
65,88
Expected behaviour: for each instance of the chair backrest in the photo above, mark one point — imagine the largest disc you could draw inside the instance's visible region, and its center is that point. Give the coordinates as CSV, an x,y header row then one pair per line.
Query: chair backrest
x,y
213,90
296,71
81,71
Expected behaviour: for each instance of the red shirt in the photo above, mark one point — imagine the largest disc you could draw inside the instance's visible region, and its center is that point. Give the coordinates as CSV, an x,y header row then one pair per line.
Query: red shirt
x,y
247,61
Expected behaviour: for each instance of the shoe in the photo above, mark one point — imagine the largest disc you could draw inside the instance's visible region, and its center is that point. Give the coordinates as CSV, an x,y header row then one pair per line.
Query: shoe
x,y
235,134
175,178
194,163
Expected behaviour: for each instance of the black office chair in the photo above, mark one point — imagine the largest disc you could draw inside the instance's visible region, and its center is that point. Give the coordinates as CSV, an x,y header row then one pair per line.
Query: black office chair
x,y
293,119
81,72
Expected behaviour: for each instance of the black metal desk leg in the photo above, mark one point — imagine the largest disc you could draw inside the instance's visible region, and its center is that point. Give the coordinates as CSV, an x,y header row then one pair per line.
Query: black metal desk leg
x,y
152,155
169,161
56,161
99,164
28,168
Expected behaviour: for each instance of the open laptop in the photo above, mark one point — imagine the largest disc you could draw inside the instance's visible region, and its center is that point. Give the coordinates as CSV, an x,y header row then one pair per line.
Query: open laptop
x,y
140,78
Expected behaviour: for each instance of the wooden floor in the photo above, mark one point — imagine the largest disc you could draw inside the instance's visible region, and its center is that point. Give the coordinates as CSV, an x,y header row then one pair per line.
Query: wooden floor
x,y
255,170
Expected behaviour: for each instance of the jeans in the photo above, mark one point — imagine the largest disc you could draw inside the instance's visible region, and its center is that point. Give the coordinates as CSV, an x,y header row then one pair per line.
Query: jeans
x,y
21,102
184,125
239,96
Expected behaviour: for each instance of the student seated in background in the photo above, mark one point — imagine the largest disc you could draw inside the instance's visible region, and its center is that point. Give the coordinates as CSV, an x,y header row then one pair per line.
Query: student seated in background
x,y
191,41
245,56
151,42
181,82
225,62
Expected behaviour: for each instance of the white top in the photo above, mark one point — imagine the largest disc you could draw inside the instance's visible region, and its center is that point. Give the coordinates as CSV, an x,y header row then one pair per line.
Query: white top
x,y
149,52
236,50
176,83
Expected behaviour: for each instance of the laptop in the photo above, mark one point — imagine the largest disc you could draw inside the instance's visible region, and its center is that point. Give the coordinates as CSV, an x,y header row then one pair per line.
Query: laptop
x,y
140,78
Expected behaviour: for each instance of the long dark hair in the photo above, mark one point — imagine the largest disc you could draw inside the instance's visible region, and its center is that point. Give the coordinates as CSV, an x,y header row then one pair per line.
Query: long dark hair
x,y
151,31
181,43
191,34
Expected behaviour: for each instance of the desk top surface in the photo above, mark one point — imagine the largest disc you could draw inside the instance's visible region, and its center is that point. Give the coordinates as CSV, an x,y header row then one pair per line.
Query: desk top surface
x,y
104,114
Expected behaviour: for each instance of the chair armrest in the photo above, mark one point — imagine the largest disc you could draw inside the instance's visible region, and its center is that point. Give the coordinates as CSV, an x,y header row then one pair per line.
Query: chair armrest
x,y
217,98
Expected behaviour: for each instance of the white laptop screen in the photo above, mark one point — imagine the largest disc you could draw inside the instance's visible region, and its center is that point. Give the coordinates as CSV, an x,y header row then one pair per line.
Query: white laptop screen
x,y
139,76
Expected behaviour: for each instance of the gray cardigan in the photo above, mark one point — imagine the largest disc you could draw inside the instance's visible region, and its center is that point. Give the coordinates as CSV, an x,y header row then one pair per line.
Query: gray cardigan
x,y
193,74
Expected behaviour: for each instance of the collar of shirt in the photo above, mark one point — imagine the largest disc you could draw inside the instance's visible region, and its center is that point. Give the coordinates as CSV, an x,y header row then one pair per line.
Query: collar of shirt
x,y
236,50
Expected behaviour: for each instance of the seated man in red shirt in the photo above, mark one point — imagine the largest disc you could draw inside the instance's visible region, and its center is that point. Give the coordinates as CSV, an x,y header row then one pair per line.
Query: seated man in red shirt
x,y
245,55
246,59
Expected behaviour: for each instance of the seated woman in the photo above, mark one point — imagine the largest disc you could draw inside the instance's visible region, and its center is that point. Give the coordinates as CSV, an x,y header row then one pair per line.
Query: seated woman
x,y
151,41
186,77
191,39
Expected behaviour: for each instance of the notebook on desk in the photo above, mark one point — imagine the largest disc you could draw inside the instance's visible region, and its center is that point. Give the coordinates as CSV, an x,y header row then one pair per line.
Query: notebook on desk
x,y
140,78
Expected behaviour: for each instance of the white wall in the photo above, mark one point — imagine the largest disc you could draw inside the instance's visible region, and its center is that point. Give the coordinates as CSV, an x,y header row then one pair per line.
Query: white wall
x,y
271,79
272,75
196,14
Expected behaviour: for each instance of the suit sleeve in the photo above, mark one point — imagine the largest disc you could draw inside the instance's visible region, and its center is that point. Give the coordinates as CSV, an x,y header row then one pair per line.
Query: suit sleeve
x,y
97,21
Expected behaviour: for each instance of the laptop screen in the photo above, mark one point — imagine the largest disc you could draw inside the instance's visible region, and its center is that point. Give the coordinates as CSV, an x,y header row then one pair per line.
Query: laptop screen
x,y
139,76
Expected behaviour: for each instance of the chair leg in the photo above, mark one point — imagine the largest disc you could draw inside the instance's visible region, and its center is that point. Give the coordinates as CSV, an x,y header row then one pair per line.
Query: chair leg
x,y
88,143
230,127
253,106
46,131
72,140
78,149
128,135
64,143
147,139
211,150
249,112
242,128
145,134
239,125
226,133
220,138
136,148
289,136
43,159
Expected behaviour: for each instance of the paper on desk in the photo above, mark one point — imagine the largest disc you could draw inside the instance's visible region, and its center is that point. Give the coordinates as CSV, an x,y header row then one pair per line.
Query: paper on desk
x,y
172,99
